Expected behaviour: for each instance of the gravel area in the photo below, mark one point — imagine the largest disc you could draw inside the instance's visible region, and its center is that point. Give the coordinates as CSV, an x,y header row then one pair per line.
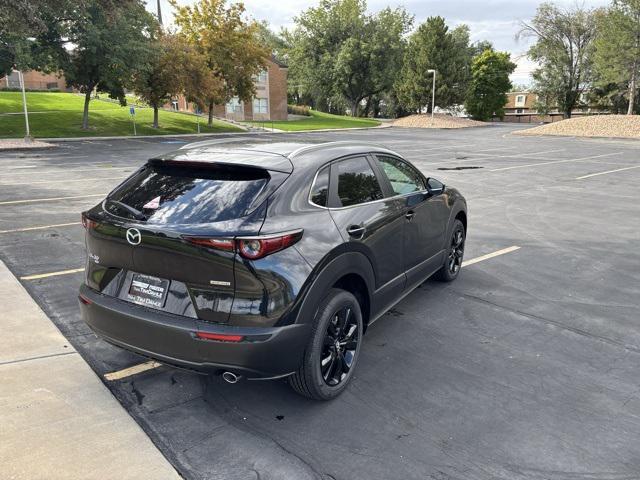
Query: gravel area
x,y
439,121
621,126
22,145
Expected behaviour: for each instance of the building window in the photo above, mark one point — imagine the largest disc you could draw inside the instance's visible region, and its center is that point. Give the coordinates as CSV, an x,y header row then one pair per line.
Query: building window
x,y
260,105
234,106
521,100
261,77
519,110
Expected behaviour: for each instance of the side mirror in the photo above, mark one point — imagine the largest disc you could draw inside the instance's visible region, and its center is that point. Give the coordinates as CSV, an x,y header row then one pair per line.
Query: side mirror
x,y
434,187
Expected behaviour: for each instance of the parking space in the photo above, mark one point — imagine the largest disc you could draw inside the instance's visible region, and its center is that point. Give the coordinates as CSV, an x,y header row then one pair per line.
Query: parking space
x,y
524,368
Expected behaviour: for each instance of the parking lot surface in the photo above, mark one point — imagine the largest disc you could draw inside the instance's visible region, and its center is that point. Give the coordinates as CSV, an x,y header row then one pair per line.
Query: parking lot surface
x,y
524,368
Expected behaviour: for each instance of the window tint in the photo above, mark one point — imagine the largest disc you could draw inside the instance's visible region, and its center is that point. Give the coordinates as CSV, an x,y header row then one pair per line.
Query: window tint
x,y
403,177
320,188
163,194
356,182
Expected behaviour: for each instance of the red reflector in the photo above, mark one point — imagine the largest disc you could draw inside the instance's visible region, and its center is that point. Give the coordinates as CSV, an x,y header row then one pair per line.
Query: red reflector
x,y
88,223
84,300
217,243
219,337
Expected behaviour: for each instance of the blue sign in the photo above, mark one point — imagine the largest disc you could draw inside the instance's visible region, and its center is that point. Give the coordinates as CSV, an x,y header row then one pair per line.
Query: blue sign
x,y
132,110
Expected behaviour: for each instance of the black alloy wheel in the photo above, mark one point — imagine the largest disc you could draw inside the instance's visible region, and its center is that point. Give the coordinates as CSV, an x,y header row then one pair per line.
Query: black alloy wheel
x,y
332,352
455,254
339,347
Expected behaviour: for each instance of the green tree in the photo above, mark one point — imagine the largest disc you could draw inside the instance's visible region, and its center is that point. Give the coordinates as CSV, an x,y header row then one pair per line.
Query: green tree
x,y
563,48
340,55
490,82
617,51
434,47
162,74
109,42
229,46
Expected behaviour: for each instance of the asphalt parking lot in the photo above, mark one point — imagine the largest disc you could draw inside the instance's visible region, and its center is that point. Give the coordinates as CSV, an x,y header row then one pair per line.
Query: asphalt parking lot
x,y
525,368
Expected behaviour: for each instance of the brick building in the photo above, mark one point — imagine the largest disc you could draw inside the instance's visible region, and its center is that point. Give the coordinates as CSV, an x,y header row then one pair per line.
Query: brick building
x,y
34,80
270,102
521,108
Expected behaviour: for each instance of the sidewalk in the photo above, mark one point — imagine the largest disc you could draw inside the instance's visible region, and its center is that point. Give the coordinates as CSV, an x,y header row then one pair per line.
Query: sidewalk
x,y
57,420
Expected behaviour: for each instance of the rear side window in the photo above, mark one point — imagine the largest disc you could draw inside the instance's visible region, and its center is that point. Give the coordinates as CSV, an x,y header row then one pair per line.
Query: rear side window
x,y
320,188
403,177
173,194
356,182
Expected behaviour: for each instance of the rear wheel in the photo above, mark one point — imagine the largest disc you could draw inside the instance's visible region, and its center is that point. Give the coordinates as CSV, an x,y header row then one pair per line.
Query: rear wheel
x,y
332,352
455,253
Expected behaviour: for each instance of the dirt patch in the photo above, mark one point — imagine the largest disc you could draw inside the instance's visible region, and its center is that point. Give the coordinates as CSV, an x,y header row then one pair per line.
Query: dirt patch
x,y
439,121
618,126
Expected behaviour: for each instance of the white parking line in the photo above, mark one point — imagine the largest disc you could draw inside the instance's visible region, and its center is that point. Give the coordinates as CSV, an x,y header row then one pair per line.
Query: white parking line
x,y
482,258
75,180
41,227
38,276
52,199
556,161
134,370
607,172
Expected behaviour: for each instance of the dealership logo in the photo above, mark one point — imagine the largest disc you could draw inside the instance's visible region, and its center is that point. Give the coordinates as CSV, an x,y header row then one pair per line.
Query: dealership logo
x,y
134,237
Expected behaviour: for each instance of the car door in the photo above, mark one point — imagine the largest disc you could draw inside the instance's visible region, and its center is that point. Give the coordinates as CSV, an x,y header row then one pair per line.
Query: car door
x,y
425,218
370,221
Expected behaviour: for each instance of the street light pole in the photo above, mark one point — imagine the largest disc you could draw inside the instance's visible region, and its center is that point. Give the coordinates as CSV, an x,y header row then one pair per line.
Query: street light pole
x,y
27,137
433,94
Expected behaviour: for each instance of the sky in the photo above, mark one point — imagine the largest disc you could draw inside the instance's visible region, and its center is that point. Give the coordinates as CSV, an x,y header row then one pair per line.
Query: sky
x,y
493,20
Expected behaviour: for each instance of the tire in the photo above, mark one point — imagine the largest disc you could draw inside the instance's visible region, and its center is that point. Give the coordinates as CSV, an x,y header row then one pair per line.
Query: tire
x,y
332,346
455,253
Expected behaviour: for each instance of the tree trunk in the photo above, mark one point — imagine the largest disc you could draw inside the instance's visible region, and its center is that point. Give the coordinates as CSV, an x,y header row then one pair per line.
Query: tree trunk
x,y
632,90
210,123
85,114
354,108
155,115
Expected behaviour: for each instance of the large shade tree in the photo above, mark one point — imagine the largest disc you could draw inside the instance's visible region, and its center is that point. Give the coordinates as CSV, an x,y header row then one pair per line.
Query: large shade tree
x,y
110,41
563,48
229,47
434,47
487,94
617,52
340,56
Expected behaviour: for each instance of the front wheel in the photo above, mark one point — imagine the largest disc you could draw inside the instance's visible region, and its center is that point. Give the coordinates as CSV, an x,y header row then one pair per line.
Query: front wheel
x,y
333,349
455,252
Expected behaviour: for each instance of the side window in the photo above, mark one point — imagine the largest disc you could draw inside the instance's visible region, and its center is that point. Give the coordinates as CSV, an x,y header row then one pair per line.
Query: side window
x,y
320,188
403,177
356,182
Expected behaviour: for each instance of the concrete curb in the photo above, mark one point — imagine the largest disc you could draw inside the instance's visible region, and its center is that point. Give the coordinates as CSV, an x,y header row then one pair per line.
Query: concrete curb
x,y
205,135
59,421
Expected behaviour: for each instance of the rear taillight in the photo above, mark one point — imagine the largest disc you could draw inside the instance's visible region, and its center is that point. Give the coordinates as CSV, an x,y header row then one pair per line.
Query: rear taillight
x,y
251,248
88,223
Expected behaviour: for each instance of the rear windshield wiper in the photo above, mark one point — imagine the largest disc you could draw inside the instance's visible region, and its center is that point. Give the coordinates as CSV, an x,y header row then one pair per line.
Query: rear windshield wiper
x,y
137,214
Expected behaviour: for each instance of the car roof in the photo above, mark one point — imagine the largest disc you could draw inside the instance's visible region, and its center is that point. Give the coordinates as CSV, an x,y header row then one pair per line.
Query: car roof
x,y
277,156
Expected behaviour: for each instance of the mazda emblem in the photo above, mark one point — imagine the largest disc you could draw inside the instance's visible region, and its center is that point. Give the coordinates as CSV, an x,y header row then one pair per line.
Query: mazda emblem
x,y
134,237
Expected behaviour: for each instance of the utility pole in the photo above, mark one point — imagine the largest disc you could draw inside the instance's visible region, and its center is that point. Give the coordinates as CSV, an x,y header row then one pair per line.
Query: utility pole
x,y
27,137
433,94
159,14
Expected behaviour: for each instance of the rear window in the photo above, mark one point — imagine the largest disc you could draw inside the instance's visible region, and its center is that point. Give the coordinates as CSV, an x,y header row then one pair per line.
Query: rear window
x,y
173,194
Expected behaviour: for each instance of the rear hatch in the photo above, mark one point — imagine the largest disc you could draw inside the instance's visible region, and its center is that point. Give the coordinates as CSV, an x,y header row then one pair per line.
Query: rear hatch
x,y
149,242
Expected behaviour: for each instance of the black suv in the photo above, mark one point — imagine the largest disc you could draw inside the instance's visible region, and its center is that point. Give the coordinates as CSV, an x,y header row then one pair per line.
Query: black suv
x,y
265,260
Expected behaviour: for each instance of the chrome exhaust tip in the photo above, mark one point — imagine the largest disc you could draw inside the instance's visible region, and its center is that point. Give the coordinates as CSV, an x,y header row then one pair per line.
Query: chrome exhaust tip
x,y
230,377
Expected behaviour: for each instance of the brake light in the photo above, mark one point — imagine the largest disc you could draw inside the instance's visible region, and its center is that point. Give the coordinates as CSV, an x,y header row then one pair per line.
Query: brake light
x,y
251,248
84,300
220,337
259,247
88,223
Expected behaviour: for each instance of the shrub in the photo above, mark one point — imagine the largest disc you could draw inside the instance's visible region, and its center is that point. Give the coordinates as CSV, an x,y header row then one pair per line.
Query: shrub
x,y
299,110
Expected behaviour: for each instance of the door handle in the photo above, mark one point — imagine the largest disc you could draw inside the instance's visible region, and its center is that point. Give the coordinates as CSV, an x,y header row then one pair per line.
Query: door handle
x,y
355,231
409,215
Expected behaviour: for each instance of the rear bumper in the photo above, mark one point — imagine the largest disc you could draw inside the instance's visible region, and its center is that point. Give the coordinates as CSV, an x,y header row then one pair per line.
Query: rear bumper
x,y
168,338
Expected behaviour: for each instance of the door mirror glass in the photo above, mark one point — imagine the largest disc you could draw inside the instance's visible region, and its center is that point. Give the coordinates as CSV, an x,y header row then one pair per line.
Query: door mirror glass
x,y
434,187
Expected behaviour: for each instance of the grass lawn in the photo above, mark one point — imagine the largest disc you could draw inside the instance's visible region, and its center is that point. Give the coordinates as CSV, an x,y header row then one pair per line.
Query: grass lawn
x,y
319,121
60,115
